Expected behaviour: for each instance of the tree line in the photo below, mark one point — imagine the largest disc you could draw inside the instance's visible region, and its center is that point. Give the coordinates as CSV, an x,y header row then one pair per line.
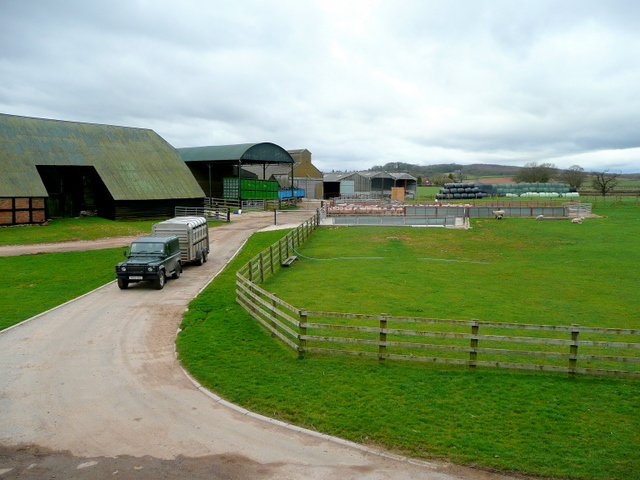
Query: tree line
x,y
602,182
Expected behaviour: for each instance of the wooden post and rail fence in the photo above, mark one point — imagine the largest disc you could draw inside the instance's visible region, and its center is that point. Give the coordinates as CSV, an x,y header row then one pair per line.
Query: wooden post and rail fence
x,y
572,349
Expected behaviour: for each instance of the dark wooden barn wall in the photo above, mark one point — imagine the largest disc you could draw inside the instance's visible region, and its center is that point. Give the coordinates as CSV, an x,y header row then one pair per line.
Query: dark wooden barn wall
x,y
152,209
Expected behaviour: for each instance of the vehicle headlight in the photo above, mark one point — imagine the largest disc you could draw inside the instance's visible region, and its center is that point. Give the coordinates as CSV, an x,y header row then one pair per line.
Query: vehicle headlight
x,y
123,269
149,269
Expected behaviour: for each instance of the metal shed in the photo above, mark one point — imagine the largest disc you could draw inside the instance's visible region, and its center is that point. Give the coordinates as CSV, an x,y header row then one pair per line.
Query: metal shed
x,y
359,184
209,165
54,168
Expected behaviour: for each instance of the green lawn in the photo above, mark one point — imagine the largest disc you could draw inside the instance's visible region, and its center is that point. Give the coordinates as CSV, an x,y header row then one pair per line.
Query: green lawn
x,y
542,272
35,283
428,192
71,229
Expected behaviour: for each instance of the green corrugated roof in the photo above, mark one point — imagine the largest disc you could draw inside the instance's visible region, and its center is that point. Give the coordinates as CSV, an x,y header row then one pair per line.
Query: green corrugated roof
x,y
248,152
133,163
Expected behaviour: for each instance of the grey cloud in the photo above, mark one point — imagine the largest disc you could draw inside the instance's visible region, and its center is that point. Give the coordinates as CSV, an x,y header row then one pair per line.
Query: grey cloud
x,y
421,81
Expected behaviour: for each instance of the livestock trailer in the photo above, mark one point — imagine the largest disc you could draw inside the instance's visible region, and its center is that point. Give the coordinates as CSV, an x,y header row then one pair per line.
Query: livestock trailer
x,y
193,233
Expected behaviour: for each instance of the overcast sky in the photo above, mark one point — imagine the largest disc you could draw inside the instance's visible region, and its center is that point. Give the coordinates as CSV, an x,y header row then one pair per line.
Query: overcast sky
x,y
357,82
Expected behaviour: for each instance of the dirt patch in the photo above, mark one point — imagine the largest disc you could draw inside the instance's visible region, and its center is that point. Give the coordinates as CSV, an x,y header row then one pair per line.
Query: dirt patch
x,y
34,462
496,180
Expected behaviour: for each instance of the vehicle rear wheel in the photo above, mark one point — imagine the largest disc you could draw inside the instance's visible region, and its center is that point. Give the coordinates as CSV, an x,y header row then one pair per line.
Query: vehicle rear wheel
x,y
160,281
177,271
122,283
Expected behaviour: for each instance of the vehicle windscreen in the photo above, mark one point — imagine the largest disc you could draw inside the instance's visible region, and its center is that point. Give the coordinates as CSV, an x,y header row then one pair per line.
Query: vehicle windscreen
x,y
147,248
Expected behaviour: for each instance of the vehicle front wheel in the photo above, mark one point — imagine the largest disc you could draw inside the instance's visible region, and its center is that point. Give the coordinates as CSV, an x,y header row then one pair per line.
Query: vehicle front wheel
x,y
177,271
160,281
122,283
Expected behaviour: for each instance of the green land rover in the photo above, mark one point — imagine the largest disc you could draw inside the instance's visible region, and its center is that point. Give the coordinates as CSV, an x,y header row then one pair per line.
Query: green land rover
x,y
152,258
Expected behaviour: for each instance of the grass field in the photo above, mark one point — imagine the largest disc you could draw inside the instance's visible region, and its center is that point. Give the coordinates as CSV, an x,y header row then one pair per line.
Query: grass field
x,y
72,229
541,272
32,284
546,424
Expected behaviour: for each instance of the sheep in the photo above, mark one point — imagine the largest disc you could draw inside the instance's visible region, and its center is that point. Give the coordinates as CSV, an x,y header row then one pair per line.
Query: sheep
x,y
499,214
577,220
540,217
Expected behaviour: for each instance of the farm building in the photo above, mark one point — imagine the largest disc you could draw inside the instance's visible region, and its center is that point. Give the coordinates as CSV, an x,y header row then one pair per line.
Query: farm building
x,y
368,184
306,176
53,168
221,168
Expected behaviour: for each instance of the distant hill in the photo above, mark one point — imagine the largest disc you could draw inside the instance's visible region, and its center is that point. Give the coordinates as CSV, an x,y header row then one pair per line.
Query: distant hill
x,y
462,172
466,171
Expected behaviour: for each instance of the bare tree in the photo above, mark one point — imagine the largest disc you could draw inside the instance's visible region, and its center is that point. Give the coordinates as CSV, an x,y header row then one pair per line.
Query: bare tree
x,y
534,173
604,182
573,176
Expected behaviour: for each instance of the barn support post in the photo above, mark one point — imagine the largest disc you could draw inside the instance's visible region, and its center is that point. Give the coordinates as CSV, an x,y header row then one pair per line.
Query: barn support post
x,y
239,184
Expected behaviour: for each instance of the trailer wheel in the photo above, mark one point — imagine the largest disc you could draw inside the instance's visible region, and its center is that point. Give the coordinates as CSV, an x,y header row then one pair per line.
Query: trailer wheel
x,y
201,258
160,281
205,255
177,271
122,283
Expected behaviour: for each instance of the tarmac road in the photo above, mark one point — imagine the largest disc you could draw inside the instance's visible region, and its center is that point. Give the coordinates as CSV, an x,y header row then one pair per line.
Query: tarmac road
x,y
92,389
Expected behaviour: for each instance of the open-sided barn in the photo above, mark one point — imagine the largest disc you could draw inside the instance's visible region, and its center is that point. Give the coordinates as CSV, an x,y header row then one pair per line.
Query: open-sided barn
x,y
53,168
211,165
303,173
362,184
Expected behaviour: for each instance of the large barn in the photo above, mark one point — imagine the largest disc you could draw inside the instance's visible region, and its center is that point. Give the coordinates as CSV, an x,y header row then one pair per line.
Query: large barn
x,y
53,168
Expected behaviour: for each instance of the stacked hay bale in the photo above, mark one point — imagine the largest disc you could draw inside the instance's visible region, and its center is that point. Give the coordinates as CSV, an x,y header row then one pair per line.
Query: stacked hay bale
x,y
527,190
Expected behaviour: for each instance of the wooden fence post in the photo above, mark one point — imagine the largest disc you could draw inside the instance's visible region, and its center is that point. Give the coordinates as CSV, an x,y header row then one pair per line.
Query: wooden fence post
x,y
302,343
382,349
273,322
261,267
272,260
573,350
473,355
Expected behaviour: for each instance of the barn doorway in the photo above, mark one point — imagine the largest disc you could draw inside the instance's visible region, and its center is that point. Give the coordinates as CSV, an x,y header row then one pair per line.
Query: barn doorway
x,y
75,189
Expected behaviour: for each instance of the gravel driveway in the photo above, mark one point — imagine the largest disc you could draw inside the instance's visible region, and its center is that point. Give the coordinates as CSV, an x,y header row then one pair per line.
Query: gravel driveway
x,y
92,390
